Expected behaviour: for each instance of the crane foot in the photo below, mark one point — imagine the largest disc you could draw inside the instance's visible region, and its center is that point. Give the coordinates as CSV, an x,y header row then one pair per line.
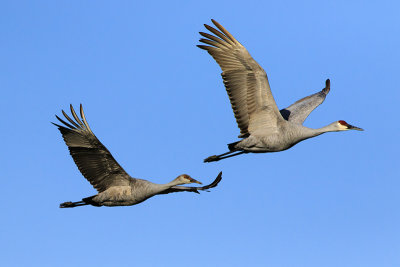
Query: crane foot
x,y
212,158
68,204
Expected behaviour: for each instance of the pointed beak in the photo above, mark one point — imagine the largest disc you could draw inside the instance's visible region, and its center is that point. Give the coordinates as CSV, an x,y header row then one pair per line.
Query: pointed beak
x,y
351,127
195,181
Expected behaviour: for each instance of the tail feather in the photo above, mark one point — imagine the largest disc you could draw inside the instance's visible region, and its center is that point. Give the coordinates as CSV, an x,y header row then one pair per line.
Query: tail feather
x,y
231,146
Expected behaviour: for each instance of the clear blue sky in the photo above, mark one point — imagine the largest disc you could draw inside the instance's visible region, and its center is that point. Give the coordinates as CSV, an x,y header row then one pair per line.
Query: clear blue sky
x,y
158,103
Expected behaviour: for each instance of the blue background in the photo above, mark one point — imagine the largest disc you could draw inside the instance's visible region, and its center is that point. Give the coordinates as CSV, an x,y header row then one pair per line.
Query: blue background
x,y
158,103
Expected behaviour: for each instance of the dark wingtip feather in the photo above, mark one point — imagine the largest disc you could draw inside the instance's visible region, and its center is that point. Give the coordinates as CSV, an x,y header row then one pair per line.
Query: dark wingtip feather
x,y
327,86
57,125
208,27
70,120
75,116
224,31
205,47
215,182
84,118
219,178
65,123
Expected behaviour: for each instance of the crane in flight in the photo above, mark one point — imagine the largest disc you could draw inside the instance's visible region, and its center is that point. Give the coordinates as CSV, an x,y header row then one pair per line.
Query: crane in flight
x,y
263,127
115,187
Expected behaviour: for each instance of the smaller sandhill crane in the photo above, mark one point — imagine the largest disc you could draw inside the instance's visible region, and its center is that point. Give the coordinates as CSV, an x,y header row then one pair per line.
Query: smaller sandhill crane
x,y
115,187
263,127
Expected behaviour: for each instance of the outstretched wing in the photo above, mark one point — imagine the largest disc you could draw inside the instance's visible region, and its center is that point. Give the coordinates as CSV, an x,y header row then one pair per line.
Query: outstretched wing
x,y
93,159
193,189
245,80
299,111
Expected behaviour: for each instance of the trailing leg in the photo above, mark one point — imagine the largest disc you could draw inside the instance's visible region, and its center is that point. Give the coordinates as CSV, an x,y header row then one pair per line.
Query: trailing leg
x,y
70,204
223,156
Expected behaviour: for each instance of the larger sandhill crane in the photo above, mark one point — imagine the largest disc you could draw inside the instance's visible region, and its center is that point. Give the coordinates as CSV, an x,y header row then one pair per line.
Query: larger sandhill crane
x,y
263,127
115,187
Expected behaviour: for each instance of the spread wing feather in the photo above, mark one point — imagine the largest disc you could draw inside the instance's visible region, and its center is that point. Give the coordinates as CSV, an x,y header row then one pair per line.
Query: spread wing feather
x,y
245,80
299,111
93,159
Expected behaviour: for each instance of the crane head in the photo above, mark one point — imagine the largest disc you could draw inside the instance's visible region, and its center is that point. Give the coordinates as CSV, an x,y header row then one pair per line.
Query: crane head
x,y
186,179
344,126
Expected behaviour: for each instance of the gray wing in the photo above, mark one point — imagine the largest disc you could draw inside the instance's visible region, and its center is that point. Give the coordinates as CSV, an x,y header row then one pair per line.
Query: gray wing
x,y
93,159
179,188
299,111
245,80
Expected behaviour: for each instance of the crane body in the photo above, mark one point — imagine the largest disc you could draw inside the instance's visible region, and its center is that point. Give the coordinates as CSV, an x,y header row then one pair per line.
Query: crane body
x,y
263,127
115,187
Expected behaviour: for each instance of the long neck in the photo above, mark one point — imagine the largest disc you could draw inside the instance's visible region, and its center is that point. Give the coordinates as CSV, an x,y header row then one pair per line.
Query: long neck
x,y
162,187
309,132
150,188
173,183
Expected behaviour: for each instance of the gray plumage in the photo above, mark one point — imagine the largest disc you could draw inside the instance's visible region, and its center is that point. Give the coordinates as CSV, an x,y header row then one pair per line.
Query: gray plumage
x,y
115,187
263,126
299,111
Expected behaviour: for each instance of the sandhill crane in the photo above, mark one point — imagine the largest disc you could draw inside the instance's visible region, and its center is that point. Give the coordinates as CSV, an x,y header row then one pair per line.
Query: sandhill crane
x,y
262,126
115,187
